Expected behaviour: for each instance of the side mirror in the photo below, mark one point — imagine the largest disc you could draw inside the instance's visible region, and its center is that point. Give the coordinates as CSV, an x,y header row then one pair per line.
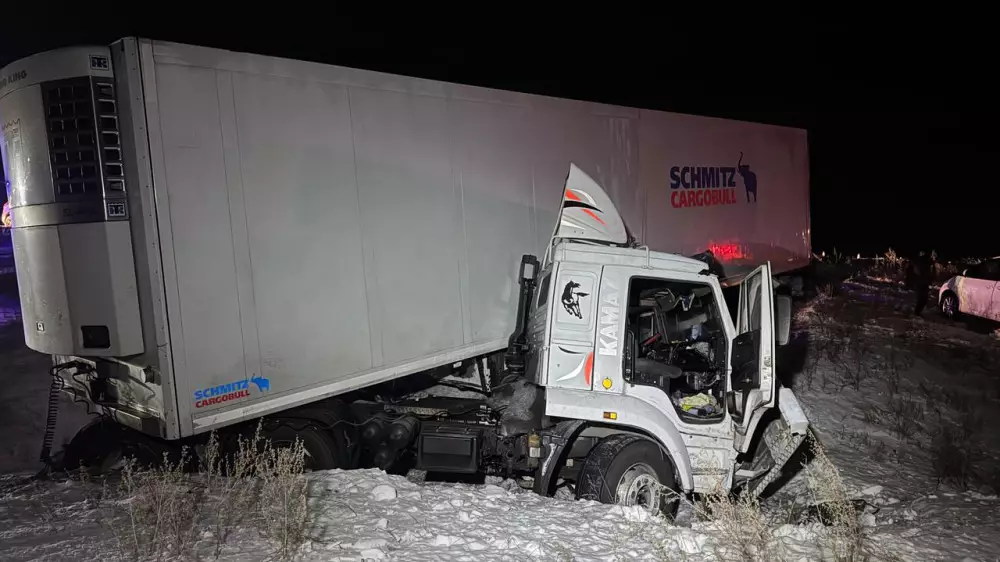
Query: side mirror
x,y
782,319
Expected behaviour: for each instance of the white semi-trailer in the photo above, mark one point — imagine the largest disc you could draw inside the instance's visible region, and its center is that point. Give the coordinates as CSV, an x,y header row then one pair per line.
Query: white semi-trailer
x,y
205,238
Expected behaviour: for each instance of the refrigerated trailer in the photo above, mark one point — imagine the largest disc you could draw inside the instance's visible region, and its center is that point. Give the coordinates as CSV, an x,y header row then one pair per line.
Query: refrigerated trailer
x,y
205,238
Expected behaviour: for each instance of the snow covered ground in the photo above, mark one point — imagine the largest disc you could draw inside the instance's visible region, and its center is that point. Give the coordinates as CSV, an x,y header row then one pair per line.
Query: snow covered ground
x,y
904,407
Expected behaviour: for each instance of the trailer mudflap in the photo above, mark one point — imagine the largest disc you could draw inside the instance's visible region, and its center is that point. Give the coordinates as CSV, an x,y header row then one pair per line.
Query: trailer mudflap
x,y
782,437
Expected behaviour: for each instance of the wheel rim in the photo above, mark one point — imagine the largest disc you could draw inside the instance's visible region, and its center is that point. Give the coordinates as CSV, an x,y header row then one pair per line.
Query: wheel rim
x,y
949,305
640,485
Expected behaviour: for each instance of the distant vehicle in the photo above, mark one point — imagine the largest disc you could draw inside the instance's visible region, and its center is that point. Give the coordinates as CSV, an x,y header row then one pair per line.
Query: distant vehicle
x,y
974,292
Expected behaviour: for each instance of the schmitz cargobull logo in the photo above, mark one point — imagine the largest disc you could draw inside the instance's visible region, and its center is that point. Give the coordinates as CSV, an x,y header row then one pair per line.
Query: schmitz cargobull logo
x,y
229,391
704,186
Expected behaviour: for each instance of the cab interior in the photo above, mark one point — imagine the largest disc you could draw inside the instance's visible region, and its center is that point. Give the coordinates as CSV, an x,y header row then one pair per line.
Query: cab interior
x,y
676,342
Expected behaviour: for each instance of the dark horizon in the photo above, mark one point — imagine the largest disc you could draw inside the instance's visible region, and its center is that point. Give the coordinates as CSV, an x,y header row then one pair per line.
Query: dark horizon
x,y
900,129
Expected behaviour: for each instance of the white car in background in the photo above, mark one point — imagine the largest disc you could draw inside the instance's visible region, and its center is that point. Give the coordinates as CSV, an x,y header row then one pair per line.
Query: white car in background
x,y
974,292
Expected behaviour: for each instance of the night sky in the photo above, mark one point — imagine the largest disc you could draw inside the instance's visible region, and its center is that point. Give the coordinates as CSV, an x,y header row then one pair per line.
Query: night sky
x,y
901,112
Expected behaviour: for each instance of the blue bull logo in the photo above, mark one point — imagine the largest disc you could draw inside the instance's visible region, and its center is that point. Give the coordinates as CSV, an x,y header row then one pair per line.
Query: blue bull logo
x,y
262,383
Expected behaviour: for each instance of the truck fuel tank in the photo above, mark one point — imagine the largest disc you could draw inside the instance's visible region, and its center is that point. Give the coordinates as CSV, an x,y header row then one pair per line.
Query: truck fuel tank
x,y
444,447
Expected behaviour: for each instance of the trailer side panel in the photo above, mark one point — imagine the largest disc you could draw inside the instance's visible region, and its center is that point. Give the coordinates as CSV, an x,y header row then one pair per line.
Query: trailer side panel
x,y
334,228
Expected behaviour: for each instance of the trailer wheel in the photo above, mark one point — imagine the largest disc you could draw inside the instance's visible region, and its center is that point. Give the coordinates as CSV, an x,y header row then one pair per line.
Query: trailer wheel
x,y
102,445
318,444
627,469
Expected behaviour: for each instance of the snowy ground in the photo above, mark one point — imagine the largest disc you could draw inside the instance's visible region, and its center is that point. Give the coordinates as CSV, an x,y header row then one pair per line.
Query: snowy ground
x,y
894,400
907,409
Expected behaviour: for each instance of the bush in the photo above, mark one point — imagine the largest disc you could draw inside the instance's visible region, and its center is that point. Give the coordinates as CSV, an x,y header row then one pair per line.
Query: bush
x,y
740,530
162,512
846,539
744,533
905,416
954,458
230,486
284,495
154,513
894,361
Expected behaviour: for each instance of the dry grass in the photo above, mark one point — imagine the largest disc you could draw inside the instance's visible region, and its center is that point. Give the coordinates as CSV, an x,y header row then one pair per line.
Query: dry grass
x,y
828,290
153,513
229,482
958,454
893,363
890,267
840,339
905,416
851,354
846,539
284,509
166,512
743,531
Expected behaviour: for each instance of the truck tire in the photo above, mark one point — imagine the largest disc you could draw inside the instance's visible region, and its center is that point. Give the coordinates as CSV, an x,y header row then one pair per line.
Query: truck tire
x,y
628,469
318,444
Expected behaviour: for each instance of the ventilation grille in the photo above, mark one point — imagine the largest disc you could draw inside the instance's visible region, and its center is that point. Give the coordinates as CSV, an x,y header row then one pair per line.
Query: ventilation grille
x,y
69,107
84,139
110,137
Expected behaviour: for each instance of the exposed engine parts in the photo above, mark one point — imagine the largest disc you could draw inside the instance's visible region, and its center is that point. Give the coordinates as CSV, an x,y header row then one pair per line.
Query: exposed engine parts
x,y
455,435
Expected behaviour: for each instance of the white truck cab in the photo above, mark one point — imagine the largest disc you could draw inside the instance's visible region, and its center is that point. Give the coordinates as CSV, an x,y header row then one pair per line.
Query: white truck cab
x,y
643,341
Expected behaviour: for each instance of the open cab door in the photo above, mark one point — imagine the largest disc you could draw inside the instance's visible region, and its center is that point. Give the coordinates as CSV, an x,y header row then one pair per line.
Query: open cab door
x,y
763,321
752,387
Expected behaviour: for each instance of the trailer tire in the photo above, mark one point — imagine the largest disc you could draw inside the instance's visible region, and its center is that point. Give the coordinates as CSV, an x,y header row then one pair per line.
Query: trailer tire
x,y
103,444
335,418
318,444
629,469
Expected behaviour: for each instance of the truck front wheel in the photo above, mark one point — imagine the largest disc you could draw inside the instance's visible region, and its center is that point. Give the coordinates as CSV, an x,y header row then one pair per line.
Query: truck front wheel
x,y
627,469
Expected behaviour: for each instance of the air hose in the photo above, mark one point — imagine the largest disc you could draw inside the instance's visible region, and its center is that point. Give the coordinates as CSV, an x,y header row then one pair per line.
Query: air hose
x,y
52,414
